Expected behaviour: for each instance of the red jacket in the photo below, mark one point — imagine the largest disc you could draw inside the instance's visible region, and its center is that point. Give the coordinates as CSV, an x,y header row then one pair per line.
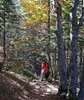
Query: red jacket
x,y
44,66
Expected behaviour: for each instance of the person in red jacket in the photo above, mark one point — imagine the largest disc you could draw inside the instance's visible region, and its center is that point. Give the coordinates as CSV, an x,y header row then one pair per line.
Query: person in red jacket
x,y
44,70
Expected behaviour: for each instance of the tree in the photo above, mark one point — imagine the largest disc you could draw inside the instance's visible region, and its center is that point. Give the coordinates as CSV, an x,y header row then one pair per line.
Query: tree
x,y
61,51
9,21
81,92
36,11
73,66
49,33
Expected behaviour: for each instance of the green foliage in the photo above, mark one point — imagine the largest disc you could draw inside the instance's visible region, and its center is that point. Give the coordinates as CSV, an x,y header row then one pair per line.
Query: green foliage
x,y
27,34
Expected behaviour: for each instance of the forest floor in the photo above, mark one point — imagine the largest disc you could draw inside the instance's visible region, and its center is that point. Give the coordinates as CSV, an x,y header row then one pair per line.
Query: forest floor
x,y
17,87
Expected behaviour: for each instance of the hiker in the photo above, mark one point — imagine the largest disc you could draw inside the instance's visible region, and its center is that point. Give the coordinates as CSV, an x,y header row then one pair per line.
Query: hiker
x,y
44,70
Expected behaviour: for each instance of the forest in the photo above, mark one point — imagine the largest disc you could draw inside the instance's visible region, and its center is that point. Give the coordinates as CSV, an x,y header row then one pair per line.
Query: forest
x,y
39,33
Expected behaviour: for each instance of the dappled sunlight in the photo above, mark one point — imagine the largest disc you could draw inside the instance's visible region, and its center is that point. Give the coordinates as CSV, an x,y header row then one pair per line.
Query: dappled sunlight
x,y
18,76
27,89
41,49
31,90
52,88
45,87
15,83
37,87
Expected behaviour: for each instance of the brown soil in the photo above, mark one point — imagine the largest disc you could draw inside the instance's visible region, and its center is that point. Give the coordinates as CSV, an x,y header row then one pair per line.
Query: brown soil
x,y
16,87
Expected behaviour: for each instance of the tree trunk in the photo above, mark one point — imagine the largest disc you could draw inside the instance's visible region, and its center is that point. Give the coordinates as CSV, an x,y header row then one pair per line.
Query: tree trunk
x,y
4,34
81,60
61,51
49,33
81,92
56,66
4,38
73,66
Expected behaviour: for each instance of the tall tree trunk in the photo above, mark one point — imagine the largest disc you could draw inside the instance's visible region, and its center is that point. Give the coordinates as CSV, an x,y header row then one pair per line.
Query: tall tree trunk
x,y
73,66
56,67
4,35
81,60
61,51
4,24
81,92
49,33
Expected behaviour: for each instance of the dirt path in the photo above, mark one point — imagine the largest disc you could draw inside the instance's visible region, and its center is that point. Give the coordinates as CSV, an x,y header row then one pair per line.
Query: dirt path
x,y
16,87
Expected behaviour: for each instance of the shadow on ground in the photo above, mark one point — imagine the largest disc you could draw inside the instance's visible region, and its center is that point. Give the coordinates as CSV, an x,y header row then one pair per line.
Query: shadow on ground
x,y
15,88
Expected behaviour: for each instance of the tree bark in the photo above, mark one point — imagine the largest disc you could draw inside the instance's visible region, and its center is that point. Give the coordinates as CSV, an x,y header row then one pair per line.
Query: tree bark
x,y
81,92
73,66
49,33
61,51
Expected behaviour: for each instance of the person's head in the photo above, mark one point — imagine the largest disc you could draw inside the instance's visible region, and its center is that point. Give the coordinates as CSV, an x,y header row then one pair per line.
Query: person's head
x,y
44,60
